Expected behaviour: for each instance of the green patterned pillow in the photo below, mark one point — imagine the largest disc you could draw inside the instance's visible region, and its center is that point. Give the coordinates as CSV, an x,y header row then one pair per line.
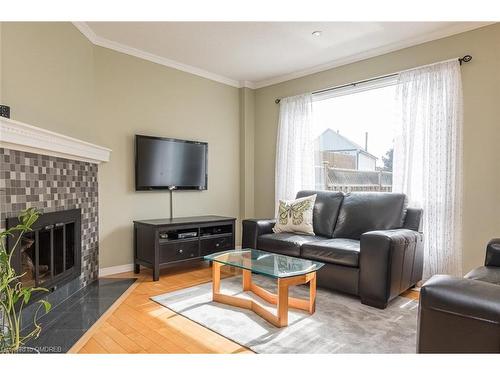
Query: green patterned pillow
x,y
296,216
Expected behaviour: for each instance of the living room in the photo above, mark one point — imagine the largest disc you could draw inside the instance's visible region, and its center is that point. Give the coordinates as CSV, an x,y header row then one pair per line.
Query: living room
x,y
275,186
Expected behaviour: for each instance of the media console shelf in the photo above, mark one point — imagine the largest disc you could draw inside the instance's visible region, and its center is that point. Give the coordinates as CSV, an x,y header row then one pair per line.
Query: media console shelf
x,y
160,243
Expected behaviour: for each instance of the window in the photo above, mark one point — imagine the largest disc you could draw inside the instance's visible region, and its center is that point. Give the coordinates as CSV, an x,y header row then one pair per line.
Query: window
x,y
354,129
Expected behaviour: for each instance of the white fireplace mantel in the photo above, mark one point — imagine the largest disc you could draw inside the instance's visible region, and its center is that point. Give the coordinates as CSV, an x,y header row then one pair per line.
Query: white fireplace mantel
x,y
16,135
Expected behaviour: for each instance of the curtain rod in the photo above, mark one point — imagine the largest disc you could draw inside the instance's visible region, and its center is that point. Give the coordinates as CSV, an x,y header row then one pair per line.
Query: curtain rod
x,y
461,60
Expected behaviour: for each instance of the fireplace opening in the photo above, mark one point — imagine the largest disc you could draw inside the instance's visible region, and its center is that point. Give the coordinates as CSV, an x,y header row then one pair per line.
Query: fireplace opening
x,y
50,254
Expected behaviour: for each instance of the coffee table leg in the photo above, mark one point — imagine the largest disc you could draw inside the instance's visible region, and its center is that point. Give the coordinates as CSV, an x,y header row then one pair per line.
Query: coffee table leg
x,y
215,278
282,300
247,280
312,294
282,303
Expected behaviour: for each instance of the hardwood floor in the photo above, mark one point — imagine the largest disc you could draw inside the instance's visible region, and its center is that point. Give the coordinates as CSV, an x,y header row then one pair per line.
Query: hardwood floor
x,y
412,294
135,324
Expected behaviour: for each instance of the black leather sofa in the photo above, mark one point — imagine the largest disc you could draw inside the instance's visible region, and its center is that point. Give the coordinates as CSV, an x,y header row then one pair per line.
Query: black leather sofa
x,y
462,315
370,243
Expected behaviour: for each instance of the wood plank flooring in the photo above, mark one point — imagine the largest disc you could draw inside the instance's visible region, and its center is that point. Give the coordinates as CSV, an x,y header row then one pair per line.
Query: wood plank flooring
x,y
135,324
138,325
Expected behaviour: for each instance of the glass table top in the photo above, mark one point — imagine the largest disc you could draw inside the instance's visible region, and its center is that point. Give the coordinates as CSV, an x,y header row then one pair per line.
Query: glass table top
x,y
265,263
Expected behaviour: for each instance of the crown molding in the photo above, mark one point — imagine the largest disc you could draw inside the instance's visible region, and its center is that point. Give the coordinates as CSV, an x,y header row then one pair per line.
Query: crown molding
x,y
248,84
86,31
443,33
17,135
106,43
449,31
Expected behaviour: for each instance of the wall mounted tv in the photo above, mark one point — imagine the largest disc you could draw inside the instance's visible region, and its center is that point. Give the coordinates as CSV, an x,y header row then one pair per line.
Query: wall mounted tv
x,y
166,163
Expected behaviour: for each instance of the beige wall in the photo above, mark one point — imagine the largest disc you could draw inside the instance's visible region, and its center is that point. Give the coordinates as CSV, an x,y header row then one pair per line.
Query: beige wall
x,y
47,76
136,96
54,78
481,87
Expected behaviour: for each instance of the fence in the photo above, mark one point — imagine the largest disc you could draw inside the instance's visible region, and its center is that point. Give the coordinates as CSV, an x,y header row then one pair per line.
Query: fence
x,y
347,180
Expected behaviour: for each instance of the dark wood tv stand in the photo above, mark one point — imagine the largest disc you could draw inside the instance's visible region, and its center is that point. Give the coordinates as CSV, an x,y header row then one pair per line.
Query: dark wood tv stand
x,y
159,243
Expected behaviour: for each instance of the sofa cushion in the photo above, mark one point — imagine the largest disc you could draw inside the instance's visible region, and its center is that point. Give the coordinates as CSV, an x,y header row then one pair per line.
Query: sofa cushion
x,y
365,212
285,243
326,210
295,216
341,251
487,274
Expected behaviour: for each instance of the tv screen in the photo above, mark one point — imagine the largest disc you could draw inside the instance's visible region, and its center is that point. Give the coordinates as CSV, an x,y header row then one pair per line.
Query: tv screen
x,y
163,163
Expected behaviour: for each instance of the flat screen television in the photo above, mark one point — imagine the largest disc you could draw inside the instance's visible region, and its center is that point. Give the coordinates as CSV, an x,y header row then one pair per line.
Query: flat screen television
x,y
166,163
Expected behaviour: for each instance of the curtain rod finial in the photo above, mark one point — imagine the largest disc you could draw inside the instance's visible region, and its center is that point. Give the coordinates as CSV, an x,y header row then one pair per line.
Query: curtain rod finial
x,y
277,101
466,59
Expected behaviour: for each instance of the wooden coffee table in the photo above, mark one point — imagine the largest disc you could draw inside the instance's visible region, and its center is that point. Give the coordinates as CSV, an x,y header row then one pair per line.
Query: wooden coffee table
x,y
287,270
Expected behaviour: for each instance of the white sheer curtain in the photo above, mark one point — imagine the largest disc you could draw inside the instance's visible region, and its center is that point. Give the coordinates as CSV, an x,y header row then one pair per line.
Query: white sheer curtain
x,y
294,148
428,159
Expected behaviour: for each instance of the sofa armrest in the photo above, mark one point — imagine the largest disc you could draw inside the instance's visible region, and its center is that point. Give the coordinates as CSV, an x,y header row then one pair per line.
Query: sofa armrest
x,y
458,315
413,219
253,228
391,261
493,253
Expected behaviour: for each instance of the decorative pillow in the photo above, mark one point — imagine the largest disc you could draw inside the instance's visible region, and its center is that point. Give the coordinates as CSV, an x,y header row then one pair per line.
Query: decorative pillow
x,y
296,216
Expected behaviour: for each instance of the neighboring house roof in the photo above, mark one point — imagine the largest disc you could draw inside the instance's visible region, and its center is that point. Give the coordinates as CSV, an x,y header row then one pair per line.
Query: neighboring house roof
x,y
354,177
330,140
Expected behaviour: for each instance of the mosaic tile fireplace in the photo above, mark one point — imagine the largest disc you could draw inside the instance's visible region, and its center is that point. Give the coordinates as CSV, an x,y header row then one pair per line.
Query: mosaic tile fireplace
x,y
59,176
53,184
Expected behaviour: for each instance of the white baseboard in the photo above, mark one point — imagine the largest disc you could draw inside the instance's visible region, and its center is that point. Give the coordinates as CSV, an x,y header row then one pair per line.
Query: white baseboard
x,y
115,269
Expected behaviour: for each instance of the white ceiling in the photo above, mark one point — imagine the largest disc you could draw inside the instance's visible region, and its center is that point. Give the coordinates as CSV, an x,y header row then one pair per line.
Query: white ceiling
x,y
258,54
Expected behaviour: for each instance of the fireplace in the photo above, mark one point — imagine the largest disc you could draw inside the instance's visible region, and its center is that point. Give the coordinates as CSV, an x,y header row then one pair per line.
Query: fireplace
x,y
50,255
58,175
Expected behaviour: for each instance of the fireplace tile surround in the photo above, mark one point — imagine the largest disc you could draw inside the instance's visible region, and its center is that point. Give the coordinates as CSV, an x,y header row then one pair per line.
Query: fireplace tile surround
x,y
51,184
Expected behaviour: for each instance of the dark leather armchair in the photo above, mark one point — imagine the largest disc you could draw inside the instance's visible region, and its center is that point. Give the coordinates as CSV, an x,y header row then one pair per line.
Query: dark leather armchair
x,y
462,315
370,243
